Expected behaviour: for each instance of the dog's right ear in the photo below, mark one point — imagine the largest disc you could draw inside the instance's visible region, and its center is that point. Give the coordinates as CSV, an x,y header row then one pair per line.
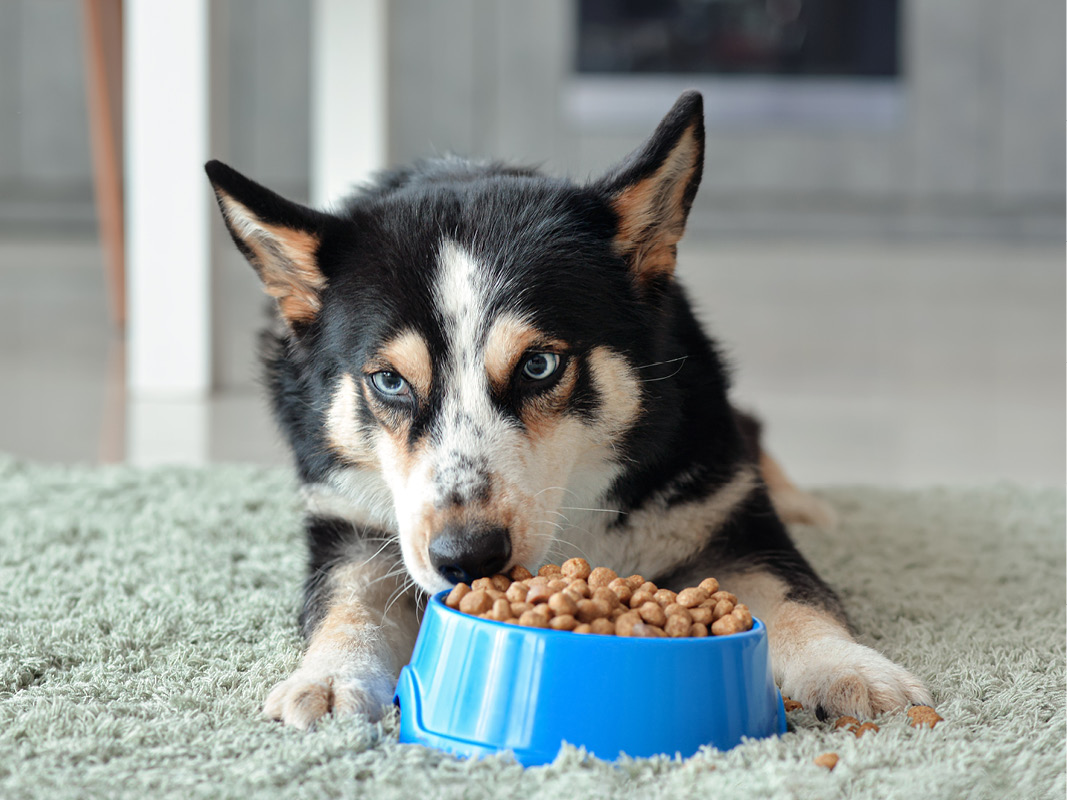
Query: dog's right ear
x,y
279,238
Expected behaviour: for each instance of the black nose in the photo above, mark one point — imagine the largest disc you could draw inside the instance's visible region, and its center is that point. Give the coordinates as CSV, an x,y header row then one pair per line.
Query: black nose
x,y
462,553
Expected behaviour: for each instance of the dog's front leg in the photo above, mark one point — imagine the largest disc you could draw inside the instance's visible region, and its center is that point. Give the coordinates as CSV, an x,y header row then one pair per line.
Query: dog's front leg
x,y
814,656
360,624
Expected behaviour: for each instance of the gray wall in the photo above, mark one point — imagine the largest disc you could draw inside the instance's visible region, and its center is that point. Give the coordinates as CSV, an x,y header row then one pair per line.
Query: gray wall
x,y
978,150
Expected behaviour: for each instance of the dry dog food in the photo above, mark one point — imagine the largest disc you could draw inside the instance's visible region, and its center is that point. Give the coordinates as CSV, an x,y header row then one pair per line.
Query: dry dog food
x,y
574,597
791,705
828,760
923,715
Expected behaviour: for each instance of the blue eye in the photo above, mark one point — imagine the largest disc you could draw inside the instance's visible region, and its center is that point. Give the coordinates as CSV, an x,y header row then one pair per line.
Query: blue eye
x,y
389,383
540,366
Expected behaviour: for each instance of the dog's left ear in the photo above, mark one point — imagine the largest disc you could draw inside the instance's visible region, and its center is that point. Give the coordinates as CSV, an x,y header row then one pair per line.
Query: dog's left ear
x,y
653,190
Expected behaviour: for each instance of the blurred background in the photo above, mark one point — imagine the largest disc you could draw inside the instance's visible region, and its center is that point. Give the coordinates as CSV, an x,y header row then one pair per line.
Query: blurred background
x,y
878,241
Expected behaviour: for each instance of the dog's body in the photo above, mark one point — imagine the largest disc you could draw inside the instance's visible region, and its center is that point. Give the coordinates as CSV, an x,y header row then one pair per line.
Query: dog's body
x,y
481,367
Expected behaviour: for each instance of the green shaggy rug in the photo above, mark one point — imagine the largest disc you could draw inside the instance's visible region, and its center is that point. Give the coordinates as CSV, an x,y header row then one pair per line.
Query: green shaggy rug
x,y
144,615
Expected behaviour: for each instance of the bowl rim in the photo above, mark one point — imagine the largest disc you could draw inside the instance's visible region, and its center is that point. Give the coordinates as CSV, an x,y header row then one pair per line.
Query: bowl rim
x,y
758,629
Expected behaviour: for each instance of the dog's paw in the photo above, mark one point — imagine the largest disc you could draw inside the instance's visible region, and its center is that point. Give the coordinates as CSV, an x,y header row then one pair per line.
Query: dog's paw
x,y
838,677
308,695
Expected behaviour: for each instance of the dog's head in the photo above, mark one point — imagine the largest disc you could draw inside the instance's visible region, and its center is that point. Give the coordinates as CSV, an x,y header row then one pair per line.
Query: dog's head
x,y
474,335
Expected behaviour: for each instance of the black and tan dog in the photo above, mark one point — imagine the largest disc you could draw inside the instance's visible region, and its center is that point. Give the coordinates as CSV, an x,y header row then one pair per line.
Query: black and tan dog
x,y
480,366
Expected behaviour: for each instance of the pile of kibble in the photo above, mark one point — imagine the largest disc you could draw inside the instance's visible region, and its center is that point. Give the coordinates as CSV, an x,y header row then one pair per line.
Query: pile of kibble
x,y
574,597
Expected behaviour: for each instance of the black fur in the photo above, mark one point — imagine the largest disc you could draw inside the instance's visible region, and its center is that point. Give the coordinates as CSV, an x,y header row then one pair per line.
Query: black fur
x,y
556,240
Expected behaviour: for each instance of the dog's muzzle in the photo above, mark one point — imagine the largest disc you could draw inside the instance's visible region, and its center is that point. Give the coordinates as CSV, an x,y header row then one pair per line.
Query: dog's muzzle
x,y
462,553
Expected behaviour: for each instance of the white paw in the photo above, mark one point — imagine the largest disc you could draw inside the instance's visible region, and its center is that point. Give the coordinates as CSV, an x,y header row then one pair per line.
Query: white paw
x,y
310,694
836,677
796,506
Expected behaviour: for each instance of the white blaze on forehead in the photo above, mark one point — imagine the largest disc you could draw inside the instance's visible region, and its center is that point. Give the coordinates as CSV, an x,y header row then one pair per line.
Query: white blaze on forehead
x,y
469,423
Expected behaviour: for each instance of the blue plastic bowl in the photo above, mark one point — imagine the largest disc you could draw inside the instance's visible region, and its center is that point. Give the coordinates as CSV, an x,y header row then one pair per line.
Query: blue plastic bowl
x,y
476,687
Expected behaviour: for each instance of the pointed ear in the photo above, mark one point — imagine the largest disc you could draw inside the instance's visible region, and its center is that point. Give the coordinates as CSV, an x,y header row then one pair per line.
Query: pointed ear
x,y
653,190
279,238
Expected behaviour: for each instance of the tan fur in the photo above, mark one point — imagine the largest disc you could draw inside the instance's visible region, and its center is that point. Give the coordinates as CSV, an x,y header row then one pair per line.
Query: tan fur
x,y
508,339
792,503
618,386
284,259
814,657
652,212
342,427
408,355
355,653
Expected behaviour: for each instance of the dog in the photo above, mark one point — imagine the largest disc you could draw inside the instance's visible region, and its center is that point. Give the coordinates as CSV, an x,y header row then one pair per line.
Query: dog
x,y
478,366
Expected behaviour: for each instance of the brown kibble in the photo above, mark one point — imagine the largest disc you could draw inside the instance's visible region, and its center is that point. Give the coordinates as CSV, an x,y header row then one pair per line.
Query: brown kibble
x,y
846,722
519,573
690,598
536,580
698,629
563,622
624,623
580,587
550,571
923,715
675,610
539,594
622,590
531,619
501,582
828,760
744,616
606,596
603,627
583,628
588,610
644,630
653,614
665,597
562,604
640,597
648,586
518,609
516,593
791,705
864,728
635,582
481,584
709,585
459,591
702,615
721,595
677,626
724,626
501,610
475,602
576,568
617,612
722,608
557,585
601,576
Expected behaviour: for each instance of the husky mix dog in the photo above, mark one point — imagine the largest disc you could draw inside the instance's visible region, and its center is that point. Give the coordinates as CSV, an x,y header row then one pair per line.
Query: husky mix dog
x,y
478,366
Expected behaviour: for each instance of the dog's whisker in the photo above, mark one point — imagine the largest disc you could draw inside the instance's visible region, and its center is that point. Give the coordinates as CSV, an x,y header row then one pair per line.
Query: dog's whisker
x,y
605,510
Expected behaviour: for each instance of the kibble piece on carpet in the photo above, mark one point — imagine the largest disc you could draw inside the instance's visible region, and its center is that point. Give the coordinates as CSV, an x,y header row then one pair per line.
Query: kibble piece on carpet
x,y
145,614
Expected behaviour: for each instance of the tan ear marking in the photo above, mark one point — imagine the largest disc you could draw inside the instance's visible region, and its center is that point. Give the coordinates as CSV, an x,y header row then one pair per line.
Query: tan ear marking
x,y
652,211
284,258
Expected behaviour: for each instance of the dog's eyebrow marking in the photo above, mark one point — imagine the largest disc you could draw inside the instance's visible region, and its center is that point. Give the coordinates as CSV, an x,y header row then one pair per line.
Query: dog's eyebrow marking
x,y
408,354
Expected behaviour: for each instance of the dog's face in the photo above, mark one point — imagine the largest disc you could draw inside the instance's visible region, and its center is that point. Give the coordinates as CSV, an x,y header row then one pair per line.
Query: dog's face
x,y
472,337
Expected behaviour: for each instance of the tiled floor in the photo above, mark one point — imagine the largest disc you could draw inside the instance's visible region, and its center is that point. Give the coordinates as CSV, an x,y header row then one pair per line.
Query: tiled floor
x,y
893,364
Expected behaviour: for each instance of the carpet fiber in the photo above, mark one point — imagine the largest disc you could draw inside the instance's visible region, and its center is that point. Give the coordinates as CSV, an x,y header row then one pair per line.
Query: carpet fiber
x,y
144,615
